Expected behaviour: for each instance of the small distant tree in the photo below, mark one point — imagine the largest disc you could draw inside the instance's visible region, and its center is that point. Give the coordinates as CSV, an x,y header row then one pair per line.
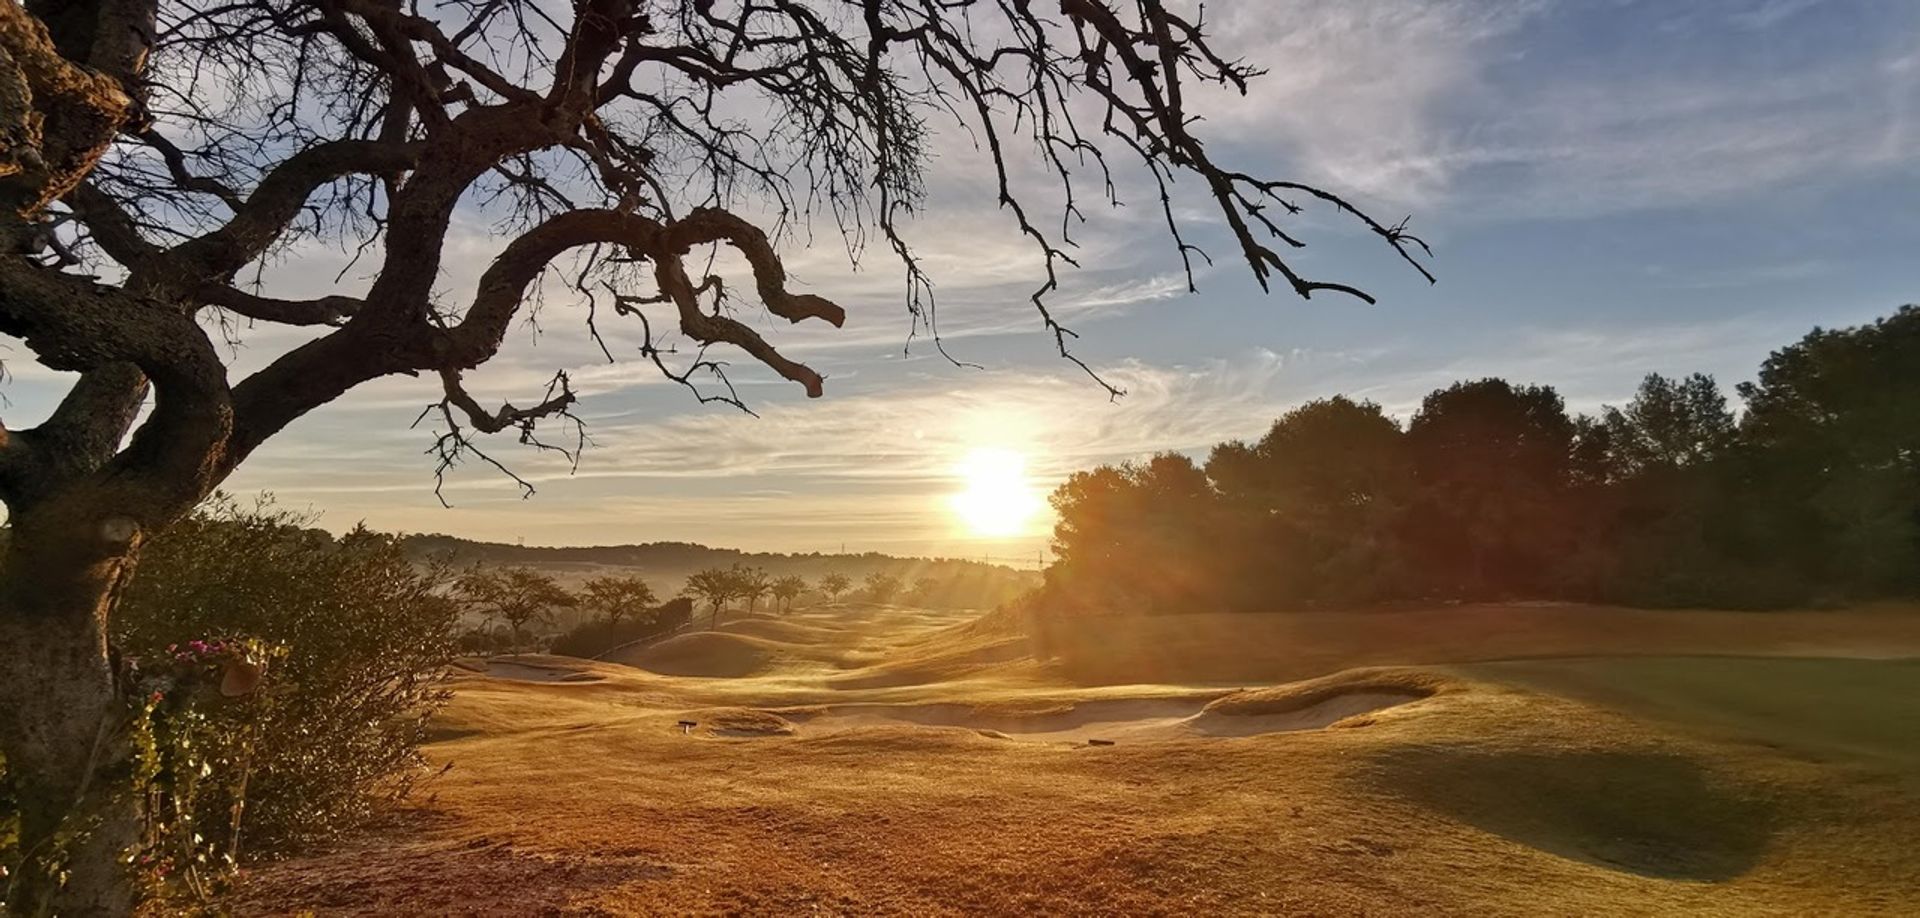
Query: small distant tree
x,y
620,598
881,587
712,586
518,596
786,589
753,583
833,585
925,590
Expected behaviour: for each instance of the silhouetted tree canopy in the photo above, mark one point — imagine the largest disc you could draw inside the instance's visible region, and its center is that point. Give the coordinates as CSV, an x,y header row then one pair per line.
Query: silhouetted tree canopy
x,y
1492,491
880,587
1671,423
1834,420
1324,488
1488,460
618,598
834,584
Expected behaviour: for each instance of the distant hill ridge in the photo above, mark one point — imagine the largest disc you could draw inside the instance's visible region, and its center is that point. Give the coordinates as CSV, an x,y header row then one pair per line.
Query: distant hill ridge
x,y
676,555
934,582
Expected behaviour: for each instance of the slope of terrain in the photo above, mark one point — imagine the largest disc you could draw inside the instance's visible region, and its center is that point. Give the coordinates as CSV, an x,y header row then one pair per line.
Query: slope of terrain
x,y
1468,760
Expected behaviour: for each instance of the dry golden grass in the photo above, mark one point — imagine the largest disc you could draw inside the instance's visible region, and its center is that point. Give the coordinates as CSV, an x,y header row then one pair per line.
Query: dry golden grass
x,y
904,762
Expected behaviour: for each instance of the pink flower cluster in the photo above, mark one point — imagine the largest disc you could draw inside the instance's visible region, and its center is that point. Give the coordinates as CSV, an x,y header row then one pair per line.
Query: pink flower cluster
x,y
197,651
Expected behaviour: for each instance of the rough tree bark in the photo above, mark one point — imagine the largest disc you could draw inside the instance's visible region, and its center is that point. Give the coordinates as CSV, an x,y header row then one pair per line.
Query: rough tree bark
x,y
65,93
65,723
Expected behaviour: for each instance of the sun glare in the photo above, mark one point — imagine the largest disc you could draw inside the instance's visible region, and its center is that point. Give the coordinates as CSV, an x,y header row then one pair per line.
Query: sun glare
x,y
997,501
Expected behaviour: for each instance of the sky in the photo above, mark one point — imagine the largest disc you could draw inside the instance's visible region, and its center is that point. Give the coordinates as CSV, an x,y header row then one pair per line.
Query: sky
x,y
1611,188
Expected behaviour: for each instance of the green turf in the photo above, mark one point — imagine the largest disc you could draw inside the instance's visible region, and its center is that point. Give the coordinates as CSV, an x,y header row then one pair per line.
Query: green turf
x,y
1829,709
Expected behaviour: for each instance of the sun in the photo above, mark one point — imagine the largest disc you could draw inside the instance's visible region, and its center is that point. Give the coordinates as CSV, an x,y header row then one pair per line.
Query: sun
x,y
997,501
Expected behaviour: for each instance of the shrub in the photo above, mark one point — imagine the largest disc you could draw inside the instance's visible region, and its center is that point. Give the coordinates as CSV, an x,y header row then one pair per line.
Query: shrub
x,y
596,637
336,728
484,641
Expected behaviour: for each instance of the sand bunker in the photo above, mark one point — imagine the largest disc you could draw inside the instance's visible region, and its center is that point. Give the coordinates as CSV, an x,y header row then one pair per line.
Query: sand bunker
x,y
1324,712
1315,703
1135,720
736,722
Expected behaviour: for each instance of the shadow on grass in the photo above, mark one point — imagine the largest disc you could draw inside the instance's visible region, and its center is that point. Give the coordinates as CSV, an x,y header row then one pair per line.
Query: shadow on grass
x,y
1659,816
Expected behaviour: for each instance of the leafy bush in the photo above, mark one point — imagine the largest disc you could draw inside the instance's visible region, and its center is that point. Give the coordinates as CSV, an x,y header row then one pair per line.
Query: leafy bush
x,y
335,730
596,637
484,641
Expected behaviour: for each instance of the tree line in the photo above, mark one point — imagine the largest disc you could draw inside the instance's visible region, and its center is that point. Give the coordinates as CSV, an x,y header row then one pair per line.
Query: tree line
x,y
1808,494
516,603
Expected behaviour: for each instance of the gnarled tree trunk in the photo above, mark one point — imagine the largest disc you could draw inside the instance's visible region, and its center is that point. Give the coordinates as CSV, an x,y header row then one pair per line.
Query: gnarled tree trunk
x,y
64,716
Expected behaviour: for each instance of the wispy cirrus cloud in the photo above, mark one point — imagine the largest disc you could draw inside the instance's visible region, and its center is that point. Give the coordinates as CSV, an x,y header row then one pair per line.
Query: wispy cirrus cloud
x,y
1527,108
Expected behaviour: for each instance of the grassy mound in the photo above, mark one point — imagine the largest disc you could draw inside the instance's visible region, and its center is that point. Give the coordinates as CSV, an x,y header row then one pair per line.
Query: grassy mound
x,y
949,654
707,654
774,629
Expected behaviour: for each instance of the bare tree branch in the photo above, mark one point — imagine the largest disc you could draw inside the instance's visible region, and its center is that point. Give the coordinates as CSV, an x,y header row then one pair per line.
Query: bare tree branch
x,y
327,310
